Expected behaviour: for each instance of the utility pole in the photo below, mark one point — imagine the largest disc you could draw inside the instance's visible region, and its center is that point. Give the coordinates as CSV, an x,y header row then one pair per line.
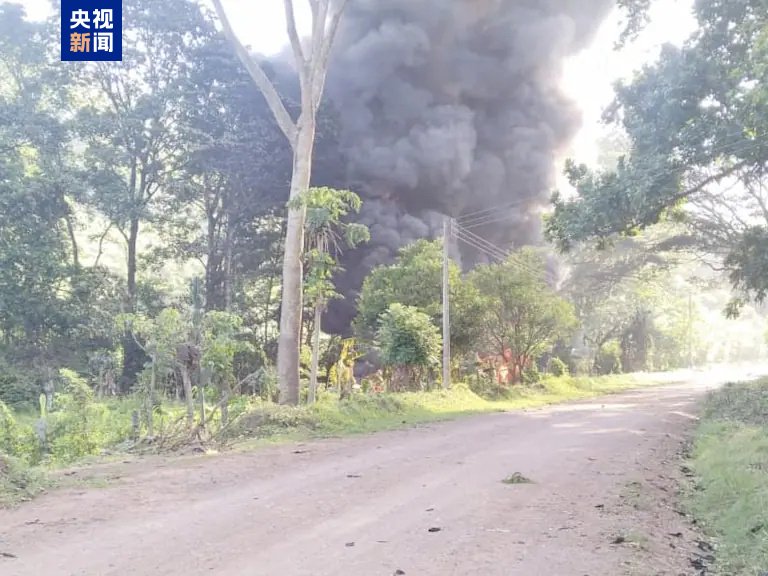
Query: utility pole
x,y
446,306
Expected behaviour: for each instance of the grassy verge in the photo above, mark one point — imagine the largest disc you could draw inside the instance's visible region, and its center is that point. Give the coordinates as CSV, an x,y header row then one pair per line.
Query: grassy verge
x,y
19,482
730,461
364,414
256,422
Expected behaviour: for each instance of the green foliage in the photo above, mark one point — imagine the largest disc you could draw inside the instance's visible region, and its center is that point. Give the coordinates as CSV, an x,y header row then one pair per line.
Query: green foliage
x,y
9,432
327,236
19,482
557,367
222,341
407,338
732,485
608,359
415,279
520,312
16,390
74,430
362,414
531,375
697,121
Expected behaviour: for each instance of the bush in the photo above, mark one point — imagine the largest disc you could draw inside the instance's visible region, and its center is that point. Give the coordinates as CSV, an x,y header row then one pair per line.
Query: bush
x,y
531,375
408,340
487,387
17,481
78,426
557,367
9,433
608,360
17,391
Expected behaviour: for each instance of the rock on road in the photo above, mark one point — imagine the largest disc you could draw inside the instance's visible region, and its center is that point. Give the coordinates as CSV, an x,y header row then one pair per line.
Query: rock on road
x,y
364,506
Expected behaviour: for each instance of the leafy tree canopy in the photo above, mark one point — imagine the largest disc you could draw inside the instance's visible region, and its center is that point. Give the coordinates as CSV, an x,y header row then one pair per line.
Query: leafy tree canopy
x,y
697,119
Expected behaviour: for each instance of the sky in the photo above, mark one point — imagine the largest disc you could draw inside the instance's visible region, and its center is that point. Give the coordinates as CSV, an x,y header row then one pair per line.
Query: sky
x,y
587,77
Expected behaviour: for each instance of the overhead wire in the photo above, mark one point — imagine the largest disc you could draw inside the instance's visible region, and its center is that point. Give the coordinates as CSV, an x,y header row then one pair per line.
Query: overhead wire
x,y
492,209
490,215
487,247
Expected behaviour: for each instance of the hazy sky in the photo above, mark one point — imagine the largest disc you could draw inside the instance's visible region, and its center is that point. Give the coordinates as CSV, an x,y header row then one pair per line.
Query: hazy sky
x,y
588,77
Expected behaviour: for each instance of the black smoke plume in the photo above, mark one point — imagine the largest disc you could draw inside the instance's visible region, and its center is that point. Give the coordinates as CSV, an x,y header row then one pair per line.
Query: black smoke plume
x,y
451,107
446,107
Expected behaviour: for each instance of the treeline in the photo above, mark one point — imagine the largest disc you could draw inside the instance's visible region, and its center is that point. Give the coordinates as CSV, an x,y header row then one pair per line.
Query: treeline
x,y
170,156
174,157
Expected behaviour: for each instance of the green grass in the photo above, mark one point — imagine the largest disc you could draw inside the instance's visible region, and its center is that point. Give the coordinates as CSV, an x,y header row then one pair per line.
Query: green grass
x,y
19,482
730,462
365,414
256,422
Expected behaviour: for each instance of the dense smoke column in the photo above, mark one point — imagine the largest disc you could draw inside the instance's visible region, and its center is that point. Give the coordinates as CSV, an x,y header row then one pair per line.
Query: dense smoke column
x,y
450,107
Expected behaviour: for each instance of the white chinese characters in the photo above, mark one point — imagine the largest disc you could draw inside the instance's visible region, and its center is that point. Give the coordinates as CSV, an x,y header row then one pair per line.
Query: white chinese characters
x,y
102,19
103,42
79,19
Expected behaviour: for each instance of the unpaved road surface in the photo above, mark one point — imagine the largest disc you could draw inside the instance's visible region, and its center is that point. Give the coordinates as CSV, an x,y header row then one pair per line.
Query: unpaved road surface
x,y
602,502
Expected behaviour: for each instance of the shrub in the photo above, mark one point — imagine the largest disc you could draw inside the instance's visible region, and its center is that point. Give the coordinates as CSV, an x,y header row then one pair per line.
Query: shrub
x,y
17,481
608,360
557,367
409,342
9,433
531,375
487,387
16,390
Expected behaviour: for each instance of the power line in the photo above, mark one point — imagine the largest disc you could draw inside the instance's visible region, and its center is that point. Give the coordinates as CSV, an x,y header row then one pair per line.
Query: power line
x,y
486,244
490,215
490,219
464,218
479,239
488,248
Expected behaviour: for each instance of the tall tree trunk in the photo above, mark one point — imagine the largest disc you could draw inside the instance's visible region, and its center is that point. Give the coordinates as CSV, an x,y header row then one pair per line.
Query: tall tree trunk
x,y
133,356
73,241
151,402
227,268
289,342
315,352
267,304
211,263
186,380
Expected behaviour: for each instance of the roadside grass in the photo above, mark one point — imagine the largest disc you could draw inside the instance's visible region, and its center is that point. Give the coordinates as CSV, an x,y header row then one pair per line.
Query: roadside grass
x,y
365,414
253,422
730,463
19,482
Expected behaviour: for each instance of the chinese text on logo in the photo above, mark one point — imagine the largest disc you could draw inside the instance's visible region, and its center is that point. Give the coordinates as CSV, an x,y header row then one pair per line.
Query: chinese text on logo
x,y
91,30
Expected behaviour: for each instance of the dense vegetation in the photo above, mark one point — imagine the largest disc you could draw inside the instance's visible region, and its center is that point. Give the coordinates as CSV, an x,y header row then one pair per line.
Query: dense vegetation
x,y
697,123
142,227
730,474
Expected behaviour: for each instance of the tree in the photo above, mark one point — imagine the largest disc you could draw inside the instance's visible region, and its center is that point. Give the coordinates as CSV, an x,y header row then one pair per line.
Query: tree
x,y
327,235
697,120
522,316
409,343
131,129
608,287
415,279
50,303
221,341
236,169
311,60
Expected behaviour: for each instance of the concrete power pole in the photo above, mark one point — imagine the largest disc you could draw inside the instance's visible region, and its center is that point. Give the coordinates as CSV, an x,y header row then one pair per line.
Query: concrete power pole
x,y
446,306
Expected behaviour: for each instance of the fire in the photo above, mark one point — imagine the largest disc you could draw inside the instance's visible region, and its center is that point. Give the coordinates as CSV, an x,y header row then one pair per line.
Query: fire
x,y
501,366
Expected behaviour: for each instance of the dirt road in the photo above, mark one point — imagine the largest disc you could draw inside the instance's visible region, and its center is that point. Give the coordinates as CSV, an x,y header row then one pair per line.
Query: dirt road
x,y
420,502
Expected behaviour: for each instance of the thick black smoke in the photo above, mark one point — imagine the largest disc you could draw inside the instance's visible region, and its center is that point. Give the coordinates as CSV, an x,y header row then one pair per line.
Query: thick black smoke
x,y
450,107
